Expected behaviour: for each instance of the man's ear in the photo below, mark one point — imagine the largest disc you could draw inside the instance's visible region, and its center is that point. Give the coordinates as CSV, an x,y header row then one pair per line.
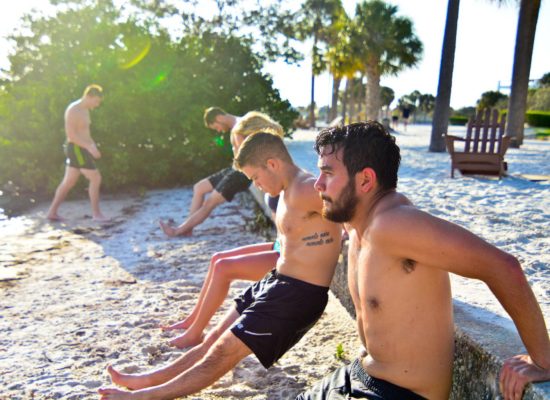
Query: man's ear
x,y
365,180
272,163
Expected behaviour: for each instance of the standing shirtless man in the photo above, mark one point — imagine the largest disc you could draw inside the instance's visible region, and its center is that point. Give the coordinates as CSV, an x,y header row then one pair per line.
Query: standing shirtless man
x,y
273,314
81,152
223,185
399,261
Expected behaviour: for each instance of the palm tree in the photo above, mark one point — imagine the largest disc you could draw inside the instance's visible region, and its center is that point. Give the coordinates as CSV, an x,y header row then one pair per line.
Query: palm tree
x,y
523,53
342,62
386,44
442,108
315,20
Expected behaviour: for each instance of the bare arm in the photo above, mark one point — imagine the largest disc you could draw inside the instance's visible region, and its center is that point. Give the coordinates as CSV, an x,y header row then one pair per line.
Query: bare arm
x,y
236,141
410,233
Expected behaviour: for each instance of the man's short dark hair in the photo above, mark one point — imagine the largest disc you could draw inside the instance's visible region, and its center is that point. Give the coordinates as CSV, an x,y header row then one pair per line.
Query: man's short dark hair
x,y
210,115
365,145
93,90
256,149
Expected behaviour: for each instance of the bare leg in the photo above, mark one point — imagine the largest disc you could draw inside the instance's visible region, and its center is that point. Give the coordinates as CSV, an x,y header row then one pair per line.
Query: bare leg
x,y
180,365
94,177
244,250
214,200
250,267
225,353
200,190
69,180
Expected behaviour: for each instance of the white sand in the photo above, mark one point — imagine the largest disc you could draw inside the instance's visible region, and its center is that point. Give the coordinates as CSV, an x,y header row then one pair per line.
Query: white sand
x,y
77,296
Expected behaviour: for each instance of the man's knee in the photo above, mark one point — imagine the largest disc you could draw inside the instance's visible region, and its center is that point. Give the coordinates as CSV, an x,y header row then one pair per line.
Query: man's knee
x,y
221,268
202,187
93,176
214,200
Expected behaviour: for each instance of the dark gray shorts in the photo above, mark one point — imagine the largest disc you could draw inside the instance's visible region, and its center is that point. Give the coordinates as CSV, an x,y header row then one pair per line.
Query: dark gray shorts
x,y
276,312
78,157
228,182
352,382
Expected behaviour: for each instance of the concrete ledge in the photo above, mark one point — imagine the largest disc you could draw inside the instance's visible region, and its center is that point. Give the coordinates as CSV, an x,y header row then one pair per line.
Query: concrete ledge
x,y
480,346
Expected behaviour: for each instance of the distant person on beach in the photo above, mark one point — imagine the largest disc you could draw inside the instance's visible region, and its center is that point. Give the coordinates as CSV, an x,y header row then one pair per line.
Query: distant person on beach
x,y
405,114
223,185
81,152
395,119
399,259
249,263
273,314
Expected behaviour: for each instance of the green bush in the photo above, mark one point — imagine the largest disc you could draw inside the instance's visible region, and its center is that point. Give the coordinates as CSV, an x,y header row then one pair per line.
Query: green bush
x,y
460,120
538,118
149,127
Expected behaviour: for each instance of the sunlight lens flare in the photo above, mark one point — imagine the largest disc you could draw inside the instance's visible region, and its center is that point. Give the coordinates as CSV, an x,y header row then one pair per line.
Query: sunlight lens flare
x,y
136,51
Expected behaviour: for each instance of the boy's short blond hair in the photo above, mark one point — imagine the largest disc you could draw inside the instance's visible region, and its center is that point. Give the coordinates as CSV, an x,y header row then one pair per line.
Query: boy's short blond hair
x,y
254,122
93,90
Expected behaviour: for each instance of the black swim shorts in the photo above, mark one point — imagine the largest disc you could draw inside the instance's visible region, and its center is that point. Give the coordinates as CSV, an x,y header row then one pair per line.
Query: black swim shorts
x,y
353,382
228,182
275,313
78,157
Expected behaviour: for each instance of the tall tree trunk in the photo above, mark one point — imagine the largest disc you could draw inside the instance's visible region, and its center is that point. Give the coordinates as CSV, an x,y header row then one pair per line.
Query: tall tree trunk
x,y
312,102
442,108
372,95
351,100
334,106
345,98
525,38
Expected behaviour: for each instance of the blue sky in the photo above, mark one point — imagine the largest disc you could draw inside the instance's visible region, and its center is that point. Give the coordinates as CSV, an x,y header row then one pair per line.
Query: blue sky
x,y
484,54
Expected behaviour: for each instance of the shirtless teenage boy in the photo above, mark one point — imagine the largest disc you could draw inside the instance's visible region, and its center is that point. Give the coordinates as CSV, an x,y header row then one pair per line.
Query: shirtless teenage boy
x,y
290,299
81,152
223,185
399,261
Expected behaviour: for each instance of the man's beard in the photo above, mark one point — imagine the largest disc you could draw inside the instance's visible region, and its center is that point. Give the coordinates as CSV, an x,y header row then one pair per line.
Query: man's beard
x,y
343,208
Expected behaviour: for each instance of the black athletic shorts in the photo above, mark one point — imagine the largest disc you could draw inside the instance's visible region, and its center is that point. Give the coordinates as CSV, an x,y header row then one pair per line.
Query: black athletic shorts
x,y
352,382
78,157
275,313
228,182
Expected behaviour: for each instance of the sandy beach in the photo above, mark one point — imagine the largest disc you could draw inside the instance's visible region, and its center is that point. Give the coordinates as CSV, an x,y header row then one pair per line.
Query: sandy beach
x,y
79,295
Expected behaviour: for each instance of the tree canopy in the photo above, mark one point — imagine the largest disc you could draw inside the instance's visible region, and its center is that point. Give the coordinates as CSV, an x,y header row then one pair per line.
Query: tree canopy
x,y
149,126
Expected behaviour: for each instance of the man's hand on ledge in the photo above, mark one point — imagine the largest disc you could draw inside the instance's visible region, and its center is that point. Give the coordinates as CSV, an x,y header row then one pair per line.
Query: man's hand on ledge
x,y
517,372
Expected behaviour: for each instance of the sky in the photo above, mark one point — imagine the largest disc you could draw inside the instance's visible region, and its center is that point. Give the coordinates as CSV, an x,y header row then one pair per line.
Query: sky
x,y
483,58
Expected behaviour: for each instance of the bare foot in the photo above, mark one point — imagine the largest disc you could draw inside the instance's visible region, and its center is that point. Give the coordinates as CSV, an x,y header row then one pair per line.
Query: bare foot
x,y
55,218
114,394
173,232
183,324
129,381
101,218
188,339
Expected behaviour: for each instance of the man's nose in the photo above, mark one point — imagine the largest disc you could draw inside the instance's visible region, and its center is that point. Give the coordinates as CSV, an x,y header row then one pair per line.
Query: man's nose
x,y
319,184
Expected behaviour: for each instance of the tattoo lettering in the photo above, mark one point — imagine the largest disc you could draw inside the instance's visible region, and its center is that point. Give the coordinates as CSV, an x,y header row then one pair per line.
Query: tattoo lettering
x,y
318,239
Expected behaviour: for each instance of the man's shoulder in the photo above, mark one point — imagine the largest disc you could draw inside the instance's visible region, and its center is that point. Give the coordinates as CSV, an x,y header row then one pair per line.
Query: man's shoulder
x,y
303,191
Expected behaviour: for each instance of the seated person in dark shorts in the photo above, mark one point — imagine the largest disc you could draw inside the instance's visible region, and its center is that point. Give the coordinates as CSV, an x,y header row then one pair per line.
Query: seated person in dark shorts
x,y
222,186
399,260
273,314
81,152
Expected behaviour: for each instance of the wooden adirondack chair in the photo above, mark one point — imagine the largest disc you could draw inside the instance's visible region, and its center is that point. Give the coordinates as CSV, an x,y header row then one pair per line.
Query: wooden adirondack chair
x,y
484,146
